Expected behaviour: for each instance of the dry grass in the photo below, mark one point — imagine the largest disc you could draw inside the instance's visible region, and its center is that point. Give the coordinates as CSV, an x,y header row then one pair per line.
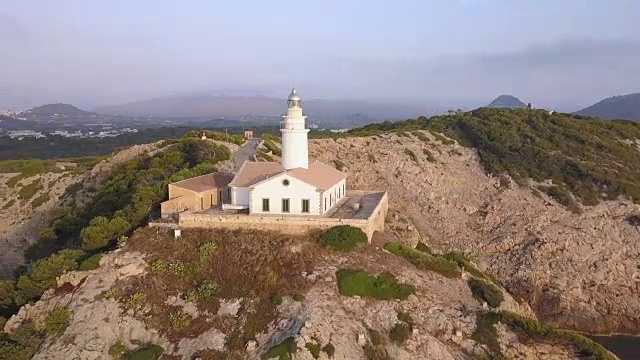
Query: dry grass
x,y
252,265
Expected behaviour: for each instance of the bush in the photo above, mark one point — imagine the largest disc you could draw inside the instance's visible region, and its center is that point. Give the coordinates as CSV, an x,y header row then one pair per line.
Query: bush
x,y
271,146
485,291
425,261
150,352
90,263
383,287
424,248
118,350
277,299
101,231
532,328
430,157
376,338
44,272
329,349
137,301
466,264
339,164
281,351
486,333
179,319
343,238
399,333
22,344
37,202
29,191
411,155
58,321
405,318
298,297
314,348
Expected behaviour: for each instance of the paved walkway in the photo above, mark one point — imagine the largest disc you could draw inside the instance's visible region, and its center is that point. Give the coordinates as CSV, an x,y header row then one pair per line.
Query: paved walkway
x,y
246,152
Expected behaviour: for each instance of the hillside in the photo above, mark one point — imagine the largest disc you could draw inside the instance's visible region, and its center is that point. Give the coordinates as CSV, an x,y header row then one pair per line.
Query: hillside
x,y
616,107
507,102
61,110
501,230
207,106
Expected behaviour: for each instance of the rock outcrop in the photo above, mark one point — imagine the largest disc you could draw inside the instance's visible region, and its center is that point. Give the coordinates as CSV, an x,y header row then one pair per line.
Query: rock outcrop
x,y
576,270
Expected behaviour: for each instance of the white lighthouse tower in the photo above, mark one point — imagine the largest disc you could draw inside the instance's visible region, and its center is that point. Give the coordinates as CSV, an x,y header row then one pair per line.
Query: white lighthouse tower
x,y
295,149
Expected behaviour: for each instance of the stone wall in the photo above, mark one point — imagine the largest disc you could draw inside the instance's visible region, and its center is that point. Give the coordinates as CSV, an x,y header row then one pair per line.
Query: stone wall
x,y
287,224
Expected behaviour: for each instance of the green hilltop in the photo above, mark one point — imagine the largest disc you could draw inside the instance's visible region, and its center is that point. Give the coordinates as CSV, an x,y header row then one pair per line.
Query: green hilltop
x,y
587,159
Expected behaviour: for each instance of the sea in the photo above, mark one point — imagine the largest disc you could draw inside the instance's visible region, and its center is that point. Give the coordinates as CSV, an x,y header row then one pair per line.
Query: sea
x,y
626,347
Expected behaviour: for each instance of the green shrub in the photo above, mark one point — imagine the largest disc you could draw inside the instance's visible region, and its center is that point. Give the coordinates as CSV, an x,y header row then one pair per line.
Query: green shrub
x,y
21,344
329,349
206,250
150,352
277,299
8,204
314,348
399,333
29,191
179,319
343,238
281,351
531,328
264,156
57,321
562,196
425,261
37,202
137,301
411,155
44,272
118,350
405,318
90,263
202,292
442,139
271,146
430,157
101,231
339,164
486,333
383,287
463,261
376,338
298,297
424,248
485,291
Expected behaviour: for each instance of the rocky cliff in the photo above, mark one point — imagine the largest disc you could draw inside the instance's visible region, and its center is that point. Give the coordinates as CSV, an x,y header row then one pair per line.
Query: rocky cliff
x,y
576,270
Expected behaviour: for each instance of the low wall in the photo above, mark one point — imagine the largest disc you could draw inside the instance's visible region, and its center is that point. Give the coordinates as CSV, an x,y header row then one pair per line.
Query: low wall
x,y
287,224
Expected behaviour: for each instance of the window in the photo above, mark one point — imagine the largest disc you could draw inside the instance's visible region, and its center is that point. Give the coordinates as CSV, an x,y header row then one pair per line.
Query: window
x,y
201,203
265,205
344,189
285,205
305,206
325,204
285,182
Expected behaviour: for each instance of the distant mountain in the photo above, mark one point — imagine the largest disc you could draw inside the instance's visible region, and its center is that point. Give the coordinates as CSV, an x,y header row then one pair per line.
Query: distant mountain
x,y
507,102
216,106
63,110
616,107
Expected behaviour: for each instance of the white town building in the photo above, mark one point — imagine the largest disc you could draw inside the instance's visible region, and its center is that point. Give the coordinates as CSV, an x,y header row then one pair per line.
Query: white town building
x,y
292,186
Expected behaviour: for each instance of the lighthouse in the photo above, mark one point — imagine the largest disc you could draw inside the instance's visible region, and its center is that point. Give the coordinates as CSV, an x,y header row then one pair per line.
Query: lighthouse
x,y
294,129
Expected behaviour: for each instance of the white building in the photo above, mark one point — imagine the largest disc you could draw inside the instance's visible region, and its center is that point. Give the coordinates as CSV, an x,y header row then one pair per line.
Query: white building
x,y
292,186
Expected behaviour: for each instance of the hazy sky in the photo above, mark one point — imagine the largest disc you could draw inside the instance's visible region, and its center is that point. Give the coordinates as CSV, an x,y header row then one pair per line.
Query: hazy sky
x,y
556,53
